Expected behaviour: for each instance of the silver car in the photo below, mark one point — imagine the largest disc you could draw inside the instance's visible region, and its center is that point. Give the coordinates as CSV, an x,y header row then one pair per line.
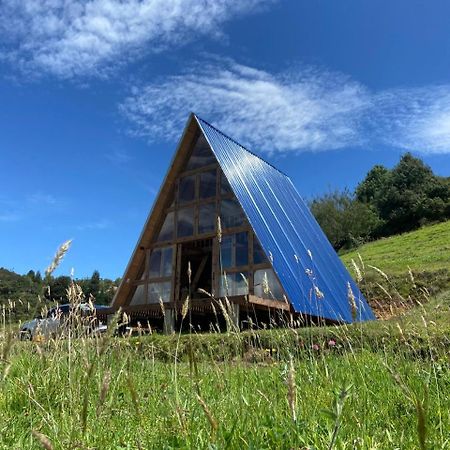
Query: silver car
x,y
60,319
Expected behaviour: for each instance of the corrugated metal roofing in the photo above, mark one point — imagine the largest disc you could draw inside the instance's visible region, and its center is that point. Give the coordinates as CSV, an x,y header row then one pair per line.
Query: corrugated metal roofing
x,y
311,273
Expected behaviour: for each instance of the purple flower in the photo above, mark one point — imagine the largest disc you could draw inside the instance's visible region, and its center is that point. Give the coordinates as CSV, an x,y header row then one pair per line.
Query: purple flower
x,y
315,347
331,343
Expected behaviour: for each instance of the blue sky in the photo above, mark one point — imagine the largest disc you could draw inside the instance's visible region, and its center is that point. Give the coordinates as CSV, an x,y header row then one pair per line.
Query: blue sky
x,y
94,96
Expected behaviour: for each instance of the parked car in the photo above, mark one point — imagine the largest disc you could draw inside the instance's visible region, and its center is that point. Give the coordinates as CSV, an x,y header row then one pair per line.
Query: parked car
x,y
62,318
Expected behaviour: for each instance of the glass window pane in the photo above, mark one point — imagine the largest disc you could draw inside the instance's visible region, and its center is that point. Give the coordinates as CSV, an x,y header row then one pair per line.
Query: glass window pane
x,y
166,266
154,265
207,184
138,296
166,233
234,284
266,285
186,189
241,249
206,218
201,155
185,222
231,214
158,291
226,252
225,187
259,257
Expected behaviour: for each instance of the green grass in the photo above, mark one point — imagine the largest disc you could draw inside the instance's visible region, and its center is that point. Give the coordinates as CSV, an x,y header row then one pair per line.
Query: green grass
x,y
152,398
426,249
377,385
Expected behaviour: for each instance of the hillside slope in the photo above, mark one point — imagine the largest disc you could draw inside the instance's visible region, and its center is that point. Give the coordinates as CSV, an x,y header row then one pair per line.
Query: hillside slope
x,y
426,249
397,288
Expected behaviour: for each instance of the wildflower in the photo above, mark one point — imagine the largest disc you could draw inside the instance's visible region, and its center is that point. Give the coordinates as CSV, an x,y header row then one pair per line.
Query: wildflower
x,y
331,343
315,347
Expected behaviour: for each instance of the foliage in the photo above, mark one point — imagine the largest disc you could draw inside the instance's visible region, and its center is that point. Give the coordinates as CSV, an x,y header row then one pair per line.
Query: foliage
x,y
386,202
407,196
28,293
346,222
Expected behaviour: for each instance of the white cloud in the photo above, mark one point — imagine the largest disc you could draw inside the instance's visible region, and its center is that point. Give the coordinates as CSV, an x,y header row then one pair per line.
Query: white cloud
x,y
303,110
414,119
77,37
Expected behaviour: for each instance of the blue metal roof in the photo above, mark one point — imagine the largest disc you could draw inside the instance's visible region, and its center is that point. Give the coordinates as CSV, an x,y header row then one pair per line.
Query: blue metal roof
x,y
309,270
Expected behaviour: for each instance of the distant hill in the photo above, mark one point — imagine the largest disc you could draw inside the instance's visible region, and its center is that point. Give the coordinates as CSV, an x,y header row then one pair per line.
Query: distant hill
x,y
20,294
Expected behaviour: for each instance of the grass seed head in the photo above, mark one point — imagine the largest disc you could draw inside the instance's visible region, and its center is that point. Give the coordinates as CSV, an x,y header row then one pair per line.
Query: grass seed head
x,y
352,301
185,308
59,255
357,271
292,391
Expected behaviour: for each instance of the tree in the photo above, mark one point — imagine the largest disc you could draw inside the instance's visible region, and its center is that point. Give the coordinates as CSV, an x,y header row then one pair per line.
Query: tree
x,y
345,220
371,189
95,283
38,277
405,197
31,275
58,289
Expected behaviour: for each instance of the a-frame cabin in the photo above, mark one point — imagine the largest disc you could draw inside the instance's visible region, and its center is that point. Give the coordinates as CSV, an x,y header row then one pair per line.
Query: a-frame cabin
x,y
245,233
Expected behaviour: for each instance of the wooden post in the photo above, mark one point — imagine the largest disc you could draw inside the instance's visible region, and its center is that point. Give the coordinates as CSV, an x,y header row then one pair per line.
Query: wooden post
x,y
169,321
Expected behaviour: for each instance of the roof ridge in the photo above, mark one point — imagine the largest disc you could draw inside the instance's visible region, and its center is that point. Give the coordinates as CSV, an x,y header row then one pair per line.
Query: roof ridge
x,y
240,145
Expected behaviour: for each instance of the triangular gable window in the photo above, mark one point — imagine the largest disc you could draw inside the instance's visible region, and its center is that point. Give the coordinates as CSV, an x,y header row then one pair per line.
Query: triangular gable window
x,y
201,155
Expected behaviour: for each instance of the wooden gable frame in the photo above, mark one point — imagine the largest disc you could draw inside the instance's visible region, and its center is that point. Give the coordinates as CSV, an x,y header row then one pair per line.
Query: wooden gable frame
x,y
152,224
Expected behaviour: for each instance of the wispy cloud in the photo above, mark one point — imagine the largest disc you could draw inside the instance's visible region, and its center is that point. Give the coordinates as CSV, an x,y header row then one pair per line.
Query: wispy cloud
x,y
96,225
68,38
296,110
118,157
306,109
42,198
414,119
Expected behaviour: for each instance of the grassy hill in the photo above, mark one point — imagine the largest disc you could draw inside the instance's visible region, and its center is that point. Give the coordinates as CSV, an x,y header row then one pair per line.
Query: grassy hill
x,y
416,266
426,249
